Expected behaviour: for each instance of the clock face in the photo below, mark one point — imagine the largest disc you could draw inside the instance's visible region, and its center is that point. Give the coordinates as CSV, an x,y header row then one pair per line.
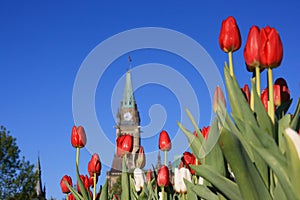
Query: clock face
x,y
127,116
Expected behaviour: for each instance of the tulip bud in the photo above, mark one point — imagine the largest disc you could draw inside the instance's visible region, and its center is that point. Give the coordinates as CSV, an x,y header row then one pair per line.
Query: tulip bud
x,y
86,182
164,141
149,175
139,179
251,51
94,165
281,92
91,181
205,131
246,92
78,137
163,176
265,98
271,50
189,159
124,145
179,176
71,197
230,38
141,161
218,97
63,185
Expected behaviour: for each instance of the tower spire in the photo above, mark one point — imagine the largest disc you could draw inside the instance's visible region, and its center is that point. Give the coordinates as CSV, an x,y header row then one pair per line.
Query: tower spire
x,y
39,190
128,98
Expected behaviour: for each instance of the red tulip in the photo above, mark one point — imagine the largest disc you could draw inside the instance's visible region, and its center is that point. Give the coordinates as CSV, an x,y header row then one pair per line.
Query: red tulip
x,y
63,185
91,181
281,92
78,137
71,197
164,141
189,159
149,175
271,50
86,182
94,165
163,176
141,158
218,97
205,131
251,51
246,92
124,145
265,98
230,38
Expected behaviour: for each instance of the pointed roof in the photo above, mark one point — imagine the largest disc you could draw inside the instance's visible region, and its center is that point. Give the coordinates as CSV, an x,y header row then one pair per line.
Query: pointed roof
x,y
39,190
128,98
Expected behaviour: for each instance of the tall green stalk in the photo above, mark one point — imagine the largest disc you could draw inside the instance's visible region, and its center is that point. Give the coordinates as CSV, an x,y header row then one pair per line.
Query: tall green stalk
x,y
230,63
94,195
166,157
257,77
271,96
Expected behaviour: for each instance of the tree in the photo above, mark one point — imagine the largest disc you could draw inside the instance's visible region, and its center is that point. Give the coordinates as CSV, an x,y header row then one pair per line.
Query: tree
x,y
17,178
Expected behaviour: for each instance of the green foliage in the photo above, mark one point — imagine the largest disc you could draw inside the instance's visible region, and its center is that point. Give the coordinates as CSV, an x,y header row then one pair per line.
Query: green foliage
x,y
17,179
261,156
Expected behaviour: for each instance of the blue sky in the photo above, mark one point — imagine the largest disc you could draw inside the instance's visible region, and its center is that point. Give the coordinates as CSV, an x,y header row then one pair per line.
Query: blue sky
x,y
44,43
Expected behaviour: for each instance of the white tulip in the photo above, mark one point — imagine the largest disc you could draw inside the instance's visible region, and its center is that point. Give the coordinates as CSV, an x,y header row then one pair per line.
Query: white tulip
x,y
139,179
200,181
179,175
294,136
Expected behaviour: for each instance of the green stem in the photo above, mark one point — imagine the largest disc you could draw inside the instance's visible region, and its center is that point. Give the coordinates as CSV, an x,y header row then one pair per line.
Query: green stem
x,y
162,192
67,196
230,63
166,157
271,95
77,156
94,195
257,75
252,95
183,197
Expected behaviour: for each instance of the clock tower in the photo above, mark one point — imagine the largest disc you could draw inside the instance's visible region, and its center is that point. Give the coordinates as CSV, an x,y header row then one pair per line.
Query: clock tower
x,y
128,120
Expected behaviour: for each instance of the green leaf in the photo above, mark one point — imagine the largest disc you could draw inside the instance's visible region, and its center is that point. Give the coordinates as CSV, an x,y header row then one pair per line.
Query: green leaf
x,y
262,116
246,177
295,121
73,191
199,190
226,186
125,180
291,140
275,161
104,191
283,108
81,186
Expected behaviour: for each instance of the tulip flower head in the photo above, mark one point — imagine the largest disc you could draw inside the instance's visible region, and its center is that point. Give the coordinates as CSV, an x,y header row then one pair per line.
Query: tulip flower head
x,y
265,98
179,175
71,197
251,51
78,137
86,182
218,98
94,165
149,175
141,161
271,50
139,179
124,145
230,38
164,141
189,159
281,92
163,176
65,179
246,92
205,131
